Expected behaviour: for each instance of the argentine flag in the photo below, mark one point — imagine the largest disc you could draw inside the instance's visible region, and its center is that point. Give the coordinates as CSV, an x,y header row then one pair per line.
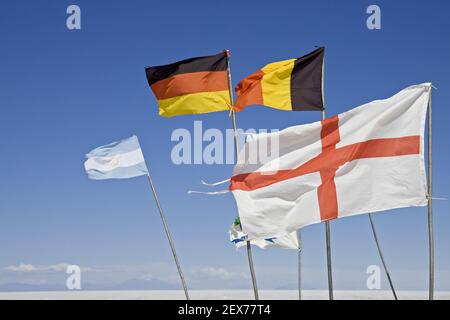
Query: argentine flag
x,y
118,160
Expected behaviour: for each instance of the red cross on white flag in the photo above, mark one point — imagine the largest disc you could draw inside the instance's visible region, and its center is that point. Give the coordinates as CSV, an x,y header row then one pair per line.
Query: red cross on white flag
x,y
368,159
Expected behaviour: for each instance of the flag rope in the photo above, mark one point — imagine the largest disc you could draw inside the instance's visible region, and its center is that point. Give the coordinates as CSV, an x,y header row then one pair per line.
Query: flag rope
x,y
215,183
208,193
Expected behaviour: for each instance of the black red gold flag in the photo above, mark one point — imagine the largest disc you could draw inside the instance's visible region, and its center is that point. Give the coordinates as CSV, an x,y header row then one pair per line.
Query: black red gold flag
x,y
191,86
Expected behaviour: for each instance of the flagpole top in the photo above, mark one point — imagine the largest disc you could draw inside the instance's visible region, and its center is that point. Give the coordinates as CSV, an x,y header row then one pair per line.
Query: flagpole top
x,y
228,52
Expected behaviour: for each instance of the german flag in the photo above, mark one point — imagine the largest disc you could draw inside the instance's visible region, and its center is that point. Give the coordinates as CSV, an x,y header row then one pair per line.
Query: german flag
x,y
192,86
294,84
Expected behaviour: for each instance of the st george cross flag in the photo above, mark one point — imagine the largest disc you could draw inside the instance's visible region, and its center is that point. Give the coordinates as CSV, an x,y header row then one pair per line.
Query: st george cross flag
x,y
368,159
118,160
239,239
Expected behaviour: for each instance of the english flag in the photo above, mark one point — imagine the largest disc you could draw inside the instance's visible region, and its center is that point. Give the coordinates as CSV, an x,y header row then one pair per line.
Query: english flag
x,y
368,159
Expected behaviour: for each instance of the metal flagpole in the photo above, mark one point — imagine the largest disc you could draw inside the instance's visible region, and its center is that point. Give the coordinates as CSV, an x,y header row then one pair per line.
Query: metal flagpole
x,y
169,237
327,223
381,256
299,238
330,273
430,208
328,242
233,117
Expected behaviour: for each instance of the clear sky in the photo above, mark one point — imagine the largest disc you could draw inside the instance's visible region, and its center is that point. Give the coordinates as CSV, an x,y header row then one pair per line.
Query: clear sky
x,y
66,92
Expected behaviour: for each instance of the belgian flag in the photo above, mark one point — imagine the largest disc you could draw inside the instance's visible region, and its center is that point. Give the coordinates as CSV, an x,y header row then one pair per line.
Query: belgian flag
x,y
294,84
191,86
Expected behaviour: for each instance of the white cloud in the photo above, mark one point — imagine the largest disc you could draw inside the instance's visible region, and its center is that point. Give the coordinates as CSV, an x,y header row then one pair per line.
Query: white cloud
x,y
221,273
21,268
60,267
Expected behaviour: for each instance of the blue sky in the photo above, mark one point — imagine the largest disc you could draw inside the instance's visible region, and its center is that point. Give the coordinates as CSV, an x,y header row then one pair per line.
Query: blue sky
x,y
67,92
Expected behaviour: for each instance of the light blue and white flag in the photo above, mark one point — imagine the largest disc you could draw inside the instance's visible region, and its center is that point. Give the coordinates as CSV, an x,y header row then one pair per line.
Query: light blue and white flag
x,y
118,160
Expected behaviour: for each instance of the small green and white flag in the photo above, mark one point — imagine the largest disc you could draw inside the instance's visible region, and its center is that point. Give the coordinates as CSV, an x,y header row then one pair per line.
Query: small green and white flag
x,y
239,239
